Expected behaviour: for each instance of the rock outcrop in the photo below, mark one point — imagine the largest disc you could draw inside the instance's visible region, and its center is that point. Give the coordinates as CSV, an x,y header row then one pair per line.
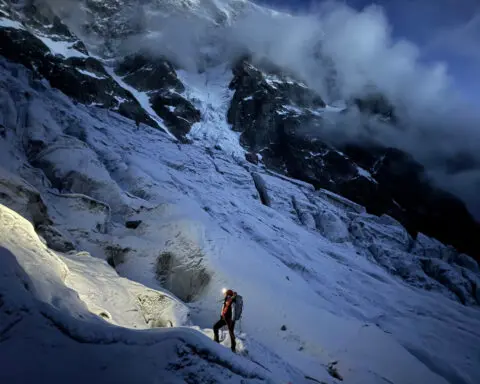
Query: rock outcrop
x,y
284,121
81,77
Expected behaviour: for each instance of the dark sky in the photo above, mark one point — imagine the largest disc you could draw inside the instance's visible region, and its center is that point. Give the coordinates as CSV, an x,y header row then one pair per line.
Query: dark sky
x,y
444,30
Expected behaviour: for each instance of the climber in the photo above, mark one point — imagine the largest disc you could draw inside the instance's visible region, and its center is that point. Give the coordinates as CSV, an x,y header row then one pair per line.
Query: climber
x,y
227,317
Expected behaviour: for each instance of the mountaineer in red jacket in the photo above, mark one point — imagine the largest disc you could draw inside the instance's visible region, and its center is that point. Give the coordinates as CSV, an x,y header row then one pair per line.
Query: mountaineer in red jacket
x,y
227,318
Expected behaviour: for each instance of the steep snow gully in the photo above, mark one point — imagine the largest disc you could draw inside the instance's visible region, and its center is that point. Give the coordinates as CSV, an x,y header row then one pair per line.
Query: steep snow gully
x,y
323,281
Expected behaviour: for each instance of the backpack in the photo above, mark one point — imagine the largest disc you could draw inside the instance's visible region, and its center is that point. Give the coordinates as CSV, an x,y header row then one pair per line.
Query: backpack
x,y
237,308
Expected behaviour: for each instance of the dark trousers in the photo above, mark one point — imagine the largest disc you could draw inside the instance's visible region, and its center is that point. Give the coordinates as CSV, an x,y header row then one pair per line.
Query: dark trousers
x,y
231,328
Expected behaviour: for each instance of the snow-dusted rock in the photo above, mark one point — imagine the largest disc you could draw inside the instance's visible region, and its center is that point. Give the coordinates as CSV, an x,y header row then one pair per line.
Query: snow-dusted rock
x,y
332,226
467,262
74,211
171,244
432,248
83,173
285,196
304,212
451,278
341,202
40,129
25,199
369,229
65,62
474,280
262,189
55,239
20,196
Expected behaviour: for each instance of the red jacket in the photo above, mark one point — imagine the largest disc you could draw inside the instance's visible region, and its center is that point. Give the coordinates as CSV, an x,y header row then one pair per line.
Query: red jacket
x,y
227,307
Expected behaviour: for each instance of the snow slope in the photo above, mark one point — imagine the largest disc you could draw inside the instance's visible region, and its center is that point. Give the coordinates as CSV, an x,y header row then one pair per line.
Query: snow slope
x,y
43,316
312,262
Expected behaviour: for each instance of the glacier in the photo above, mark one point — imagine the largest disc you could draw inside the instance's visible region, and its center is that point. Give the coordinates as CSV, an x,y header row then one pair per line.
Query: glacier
x,y
320,277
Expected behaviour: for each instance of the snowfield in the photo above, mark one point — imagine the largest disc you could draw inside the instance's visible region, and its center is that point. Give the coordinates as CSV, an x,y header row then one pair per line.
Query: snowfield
x,y
118,234
43,315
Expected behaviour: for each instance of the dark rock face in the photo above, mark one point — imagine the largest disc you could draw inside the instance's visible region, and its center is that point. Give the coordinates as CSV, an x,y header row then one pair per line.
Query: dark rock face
x,y
312,160
278,119
82,78
148,75
177,112
271,113
412,199
133,224
376,104
158,78
261,103
251,158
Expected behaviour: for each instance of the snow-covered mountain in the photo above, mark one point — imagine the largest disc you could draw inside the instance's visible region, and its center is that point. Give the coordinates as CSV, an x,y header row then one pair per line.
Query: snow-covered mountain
x,y
132,190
